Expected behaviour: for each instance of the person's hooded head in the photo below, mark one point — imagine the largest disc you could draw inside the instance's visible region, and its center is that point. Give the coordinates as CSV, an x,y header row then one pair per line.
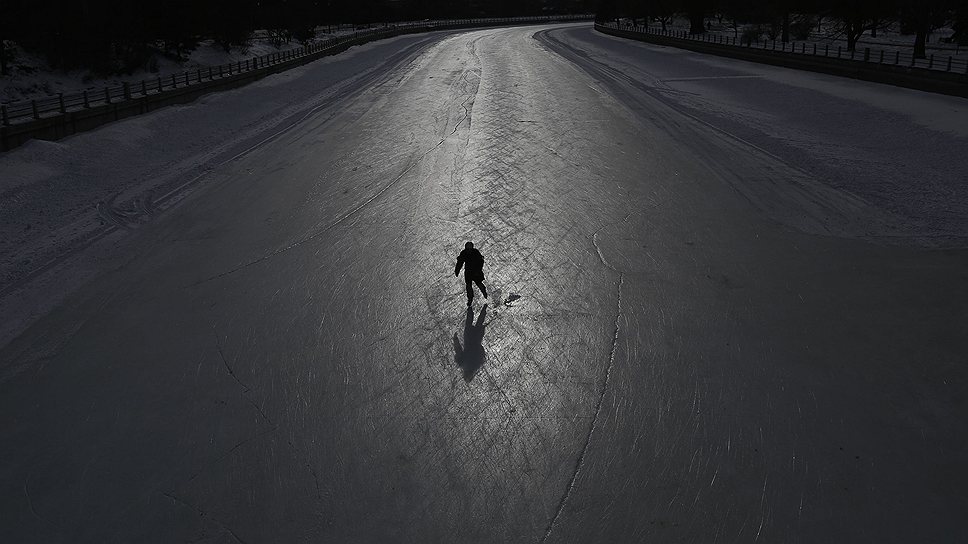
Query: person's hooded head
x,y
469,245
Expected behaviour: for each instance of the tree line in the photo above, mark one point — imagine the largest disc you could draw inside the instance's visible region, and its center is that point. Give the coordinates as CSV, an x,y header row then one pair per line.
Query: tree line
x,y
117,36
782,19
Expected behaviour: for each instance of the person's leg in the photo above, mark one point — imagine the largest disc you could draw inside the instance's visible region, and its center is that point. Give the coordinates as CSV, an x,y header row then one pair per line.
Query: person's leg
x,y
482,287
470,290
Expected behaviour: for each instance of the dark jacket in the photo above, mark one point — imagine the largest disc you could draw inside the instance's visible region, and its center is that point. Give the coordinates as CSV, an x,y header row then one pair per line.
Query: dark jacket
x,y
473,263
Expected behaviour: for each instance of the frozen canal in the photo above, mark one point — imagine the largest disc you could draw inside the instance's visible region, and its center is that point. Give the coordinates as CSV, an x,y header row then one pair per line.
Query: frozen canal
x,y
739,315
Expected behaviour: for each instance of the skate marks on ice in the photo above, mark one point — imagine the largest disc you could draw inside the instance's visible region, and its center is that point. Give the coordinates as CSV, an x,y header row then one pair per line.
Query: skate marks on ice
x,y
466,91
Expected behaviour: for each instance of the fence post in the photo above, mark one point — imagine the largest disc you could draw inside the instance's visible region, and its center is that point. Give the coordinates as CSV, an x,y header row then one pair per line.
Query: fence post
x,y
127,91
174,83
897,56
33,106
3,116
144,88
931,61
107,95
86,103
882,57
187,83
826,49
198,75
60,102
159,84
867,54
230,68
210,73
948,69
838,51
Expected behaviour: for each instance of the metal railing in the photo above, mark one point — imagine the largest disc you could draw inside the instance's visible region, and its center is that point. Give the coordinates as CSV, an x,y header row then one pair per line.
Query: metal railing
x,y
63,103
935,63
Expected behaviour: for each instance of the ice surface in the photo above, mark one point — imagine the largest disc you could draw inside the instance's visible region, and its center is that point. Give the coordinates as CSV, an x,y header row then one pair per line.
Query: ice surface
x,y
274,359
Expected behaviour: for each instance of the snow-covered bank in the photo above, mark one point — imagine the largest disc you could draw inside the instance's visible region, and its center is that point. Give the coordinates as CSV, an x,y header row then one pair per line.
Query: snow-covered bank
x,y
899,151
31,77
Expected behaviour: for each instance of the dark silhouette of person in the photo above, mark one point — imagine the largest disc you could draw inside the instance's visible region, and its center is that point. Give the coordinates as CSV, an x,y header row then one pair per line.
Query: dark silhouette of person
x,y
470,356
473,263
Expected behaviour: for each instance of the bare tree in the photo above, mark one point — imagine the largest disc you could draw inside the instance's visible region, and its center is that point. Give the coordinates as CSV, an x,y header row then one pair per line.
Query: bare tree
x,y
696,11
3,57
855,18
924,17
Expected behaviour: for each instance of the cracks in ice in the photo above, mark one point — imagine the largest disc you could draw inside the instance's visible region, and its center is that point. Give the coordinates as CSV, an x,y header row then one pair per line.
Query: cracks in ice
x,y
245,388
30,503
203,514
601,396
467,110
273,427
231,450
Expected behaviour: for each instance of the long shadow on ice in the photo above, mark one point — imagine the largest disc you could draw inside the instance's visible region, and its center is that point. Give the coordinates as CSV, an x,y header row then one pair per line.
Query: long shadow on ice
x,y
470,357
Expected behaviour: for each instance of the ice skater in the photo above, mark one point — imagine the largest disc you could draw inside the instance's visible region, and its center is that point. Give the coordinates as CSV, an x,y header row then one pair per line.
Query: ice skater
x,y
473,263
